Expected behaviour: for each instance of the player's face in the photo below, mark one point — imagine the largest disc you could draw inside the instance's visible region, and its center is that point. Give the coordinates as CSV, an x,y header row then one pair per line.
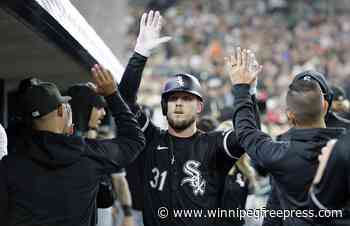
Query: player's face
x,y
182,110
67,119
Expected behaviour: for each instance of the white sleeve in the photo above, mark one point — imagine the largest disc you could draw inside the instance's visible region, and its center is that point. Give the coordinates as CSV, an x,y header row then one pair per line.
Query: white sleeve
x,y
227,151
3,142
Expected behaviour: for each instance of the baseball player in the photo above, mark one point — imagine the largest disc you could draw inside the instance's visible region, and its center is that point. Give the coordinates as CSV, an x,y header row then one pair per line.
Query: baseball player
x,y
181,168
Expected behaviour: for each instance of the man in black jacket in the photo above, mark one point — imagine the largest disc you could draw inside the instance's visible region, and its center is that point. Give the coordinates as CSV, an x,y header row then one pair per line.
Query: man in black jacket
x,y
53,178
292,162
88,110
332,119
181,168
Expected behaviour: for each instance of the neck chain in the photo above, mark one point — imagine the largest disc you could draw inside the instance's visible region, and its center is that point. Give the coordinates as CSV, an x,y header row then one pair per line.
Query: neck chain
x,y
171,147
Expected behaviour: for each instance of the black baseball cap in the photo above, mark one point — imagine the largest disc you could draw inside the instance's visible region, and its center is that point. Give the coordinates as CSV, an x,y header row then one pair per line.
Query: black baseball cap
x,y
84,98
28,82
339,93
84,94
40,99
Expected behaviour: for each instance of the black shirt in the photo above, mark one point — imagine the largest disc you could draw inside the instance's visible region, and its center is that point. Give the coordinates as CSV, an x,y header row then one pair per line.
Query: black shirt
x,y
52,179
176,173
183,173
292,163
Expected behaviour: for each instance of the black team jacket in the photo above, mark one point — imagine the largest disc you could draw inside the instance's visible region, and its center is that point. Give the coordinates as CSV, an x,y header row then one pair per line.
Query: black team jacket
x,y
53,179
292,163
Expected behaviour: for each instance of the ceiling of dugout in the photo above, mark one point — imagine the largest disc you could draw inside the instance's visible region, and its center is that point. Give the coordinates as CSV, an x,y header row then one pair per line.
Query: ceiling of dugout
x,y
49,39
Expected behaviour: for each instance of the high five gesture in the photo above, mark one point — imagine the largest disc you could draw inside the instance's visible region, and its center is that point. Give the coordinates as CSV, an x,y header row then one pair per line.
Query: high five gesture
x,y
243,67
149,35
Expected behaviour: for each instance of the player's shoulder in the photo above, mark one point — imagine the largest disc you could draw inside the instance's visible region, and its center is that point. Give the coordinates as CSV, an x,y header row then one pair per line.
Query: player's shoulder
x,y
220,132
217,134
158,141
155,132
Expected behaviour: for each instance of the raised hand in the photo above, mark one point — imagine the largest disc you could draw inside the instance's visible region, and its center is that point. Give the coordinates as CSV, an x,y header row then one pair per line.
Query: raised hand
x,y
149,35
103,79
243,67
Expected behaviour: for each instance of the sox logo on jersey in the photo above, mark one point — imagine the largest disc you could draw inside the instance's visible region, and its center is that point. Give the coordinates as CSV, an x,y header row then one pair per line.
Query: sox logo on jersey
x,y
194,179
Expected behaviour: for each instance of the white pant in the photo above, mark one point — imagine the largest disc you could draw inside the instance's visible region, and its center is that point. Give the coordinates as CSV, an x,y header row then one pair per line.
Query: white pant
x,y
104,217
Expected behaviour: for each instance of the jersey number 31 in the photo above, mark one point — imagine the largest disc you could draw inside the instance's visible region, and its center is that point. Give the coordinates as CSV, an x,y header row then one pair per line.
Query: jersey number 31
x,y
158,180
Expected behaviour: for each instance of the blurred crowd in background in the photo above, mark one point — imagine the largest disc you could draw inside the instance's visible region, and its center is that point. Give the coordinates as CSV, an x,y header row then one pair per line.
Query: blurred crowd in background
x,y
288,37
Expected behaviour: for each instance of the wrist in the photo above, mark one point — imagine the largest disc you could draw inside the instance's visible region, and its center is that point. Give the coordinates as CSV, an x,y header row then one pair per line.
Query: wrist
x,y
240,90
109,94
142,50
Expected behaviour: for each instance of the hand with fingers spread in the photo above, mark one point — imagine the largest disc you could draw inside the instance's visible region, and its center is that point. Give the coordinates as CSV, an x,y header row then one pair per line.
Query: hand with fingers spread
x,y
149,35
103,79
243,67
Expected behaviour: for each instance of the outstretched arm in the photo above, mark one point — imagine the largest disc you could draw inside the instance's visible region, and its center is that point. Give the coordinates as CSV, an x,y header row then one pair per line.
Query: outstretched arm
x,y
147,40
230,142
257,144
120,151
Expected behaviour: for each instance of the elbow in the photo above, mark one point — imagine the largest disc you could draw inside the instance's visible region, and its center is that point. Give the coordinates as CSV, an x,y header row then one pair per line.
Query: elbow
x,y
240,134
142,141
134,150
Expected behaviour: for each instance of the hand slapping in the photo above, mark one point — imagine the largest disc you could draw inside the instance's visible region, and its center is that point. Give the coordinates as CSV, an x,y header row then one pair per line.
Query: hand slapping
x,y
149,35
103,80
243,67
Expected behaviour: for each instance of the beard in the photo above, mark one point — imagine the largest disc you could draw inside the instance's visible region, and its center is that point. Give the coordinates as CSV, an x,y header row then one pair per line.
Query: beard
x,y
180,125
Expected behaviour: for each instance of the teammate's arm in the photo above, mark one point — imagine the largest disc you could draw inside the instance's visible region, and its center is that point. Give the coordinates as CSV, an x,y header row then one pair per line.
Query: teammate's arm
x,y
229,139
120,151
230,143
121,187
259,146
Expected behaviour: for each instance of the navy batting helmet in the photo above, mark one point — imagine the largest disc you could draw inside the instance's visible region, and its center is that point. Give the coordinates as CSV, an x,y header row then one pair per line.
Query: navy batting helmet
x,y
321,80
180,83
